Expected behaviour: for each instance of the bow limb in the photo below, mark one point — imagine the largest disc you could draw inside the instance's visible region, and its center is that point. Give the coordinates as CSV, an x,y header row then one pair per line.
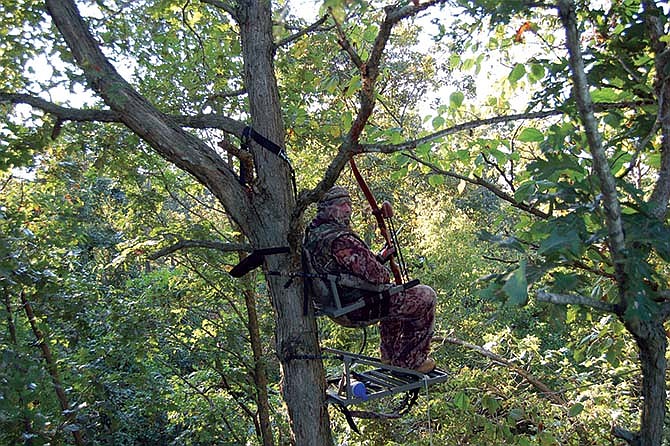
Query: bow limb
x,y
378,216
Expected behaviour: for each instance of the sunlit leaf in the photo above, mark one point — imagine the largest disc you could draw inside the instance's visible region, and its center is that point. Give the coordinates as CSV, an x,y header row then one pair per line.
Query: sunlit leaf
x,y
575,409
530,134
517,73
456,99
461,400
438,122
435,180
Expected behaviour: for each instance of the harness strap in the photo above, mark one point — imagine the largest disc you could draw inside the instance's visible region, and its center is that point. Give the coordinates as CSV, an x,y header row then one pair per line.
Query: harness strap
x,y
249,133
255,259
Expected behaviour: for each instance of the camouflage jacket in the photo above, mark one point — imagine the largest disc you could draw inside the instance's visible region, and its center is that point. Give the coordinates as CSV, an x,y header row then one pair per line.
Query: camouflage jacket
x,y
334,248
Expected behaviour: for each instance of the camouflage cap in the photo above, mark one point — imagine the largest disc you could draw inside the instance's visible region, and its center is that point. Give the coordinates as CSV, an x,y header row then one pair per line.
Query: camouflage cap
x,y
334,193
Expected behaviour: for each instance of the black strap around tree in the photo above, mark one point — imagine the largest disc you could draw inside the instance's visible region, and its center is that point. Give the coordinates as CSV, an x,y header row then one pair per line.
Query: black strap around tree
x,y
248,134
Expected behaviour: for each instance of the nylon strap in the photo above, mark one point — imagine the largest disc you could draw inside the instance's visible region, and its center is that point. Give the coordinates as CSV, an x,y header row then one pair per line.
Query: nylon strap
x,y
249,133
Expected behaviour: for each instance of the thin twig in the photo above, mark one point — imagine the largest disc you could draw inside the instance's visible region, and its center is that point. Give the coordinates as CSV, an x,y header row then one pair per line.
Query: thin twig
x,y
313,27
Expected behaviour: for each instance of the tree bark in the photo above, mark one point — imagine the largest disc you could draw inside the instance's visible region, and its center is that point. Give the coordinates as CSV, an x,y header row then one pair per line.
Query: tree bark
x,y
655,26
652,343
303,381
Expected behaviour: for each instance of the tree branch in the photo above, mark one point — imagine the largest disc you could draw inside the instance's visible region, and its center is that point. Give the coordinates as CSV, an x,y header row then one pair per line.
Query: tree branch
x,y
163,134
224,6
62,113
640,146
614,223
654,19
52,368
209,244
476,123
201,121
344,43
552,395
307,197
313,27
574,299
487,185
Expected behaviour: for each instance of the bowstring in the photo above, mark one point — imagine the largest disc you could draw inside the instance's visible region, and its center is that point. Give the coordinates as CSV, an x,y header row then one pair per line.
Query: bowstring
x,y
401,259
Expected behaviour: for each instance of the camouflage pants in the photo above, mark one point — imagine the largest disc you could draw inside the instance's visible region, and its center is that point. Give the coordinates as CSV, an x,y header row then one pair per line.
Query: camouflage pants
x,y
407,330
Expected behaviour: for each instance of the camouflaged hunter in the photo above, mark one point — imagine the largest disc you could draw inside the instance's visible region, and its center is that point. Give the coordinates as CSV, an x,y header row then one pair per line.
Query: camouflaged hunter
x,y
406,318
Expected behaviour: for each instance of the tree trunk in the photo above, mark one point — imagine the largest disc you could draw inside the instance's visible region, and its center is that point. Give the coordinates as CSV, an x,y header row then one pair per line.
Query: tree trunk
x,y
652,343
649,334
261,209
303,380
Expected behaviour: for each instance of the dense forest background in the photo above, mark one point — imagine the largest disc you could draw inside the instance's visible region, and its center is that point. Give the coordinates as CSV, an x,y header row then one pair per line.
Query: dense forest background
x,y
525,147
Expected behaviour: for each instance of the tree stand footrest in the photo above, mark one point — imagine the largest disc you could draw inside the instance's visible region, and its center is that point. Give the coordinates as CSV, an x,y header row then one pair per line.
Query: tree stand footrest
x,y
379,380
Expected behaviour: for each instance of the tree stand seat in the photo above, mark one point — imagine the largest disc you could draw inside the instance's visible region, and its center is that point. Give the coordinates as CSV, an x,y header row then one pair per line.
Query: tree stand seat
x,y
374,293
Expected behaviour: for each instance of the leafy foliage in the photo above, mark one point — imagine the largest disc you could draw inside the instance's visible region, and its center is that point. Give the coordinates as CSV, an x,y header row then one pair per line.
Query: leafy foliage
x,y
157,350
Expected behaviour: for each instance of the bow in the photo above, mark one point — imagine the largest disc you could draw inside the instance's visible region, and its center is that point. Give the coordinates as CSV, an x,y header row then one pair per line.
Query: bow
x,y
379,215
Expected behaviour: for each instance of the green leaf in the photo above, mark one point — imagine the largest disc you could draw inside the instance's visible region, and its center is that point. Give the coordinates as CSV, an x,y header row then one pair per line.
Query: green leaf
x,y
525,191
517,73
575,409
435,180
515,413
438,122
329,84
347,119
516,285
562,241
370,33
537,71
490,403
396,136
503,242
605,95
454,61
353,87
530,134
456,99
546,439
613,353
467,64
424,149
461,400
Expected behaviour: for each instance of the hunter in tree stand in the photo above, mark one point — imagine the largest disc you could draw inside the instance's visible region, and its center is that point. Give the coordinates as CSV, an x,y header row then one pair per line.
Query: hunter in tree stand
x,y
406,319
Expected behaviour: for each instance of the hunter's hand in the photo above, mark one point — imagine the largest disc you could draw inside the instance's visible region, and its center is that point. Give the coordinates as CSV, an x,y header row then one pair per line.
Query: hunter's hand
x,y
385,254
